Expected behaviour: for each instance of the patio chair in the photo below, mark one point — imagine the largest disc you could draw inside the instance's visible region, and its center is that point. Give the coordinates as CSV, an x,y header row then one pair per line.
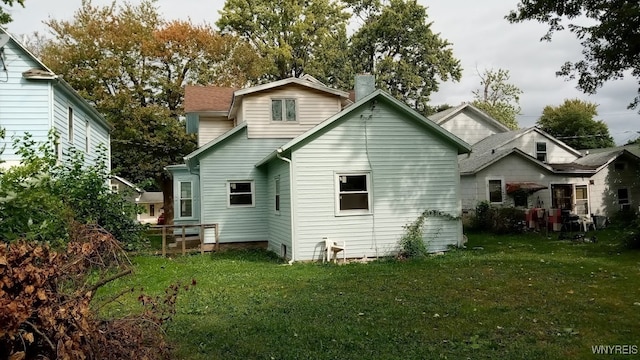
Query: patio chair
x,y
332,247
587,222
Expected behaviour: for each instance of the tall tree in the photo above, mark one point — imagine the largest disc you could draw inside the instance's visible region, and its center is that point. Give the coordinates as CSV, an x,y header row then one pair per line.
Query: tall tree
x,y
497,97
573,122
611,41
397,45
133,66
5,17
294,36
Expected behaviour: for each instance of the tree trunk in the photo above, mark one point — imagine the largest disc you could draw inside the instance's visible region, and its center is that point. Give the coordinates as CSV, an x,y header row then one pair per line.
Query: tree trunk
x,y
165,183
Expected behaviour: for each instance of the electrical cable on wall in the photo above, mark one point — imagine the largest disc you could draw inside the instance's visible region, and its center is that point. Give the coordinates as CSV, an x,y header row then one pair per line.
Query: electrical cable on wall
x,y
374,240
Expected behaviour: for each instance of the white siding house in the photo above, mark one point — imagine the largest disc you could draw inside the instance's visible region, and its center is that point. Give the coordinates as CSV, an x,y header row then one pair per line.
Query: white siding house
x,y
529,168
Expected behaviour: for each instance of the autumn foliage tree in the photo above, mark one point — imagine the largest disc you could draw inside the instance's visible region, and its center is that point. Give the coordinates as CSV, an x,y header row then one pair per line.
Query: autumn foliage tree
x,y
133,65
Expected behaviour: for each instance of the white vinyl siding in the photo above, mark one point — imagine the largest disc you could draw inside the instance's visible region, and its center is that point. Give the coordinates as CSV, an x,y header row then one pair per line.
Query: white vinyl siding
x,y
411,170
469,128
555,154
312,107
209,128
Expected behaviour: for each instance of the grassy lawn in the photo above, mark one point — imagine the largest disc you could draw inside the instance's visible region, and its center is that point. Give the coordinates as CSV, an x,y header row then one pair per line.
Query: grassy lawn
x,y
519,297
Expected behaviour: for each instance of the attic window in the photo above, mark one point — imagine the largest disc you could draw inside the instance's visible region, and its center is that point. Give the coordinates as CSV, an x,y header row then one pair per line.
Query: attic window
x,y
619,166
541,151
283,110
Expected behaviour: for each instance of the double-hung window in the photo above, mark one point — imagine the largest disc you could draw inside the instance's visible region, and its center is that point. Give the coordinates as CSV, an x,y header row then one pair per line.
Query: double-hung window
x,y
541,151
186,199
283,110
70,124
277,194
495,191
623,199
240,193
353,193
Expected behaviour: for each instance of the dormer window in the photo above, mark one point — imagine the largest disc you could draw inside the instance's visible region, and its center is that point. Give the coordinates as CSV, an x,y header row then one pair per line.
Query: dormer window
x,y
283,110
541,151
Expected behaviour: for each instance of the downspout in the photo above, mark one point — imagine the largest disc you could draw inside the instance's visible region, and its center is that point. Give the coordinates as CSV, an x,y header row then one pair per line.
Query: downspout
x,y
292,202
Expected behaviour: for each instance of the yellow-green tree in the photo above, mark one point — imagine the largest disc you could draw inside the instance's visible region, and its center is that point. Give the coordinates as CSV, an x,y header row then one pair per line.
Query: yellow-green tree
x,y
133,65
574,123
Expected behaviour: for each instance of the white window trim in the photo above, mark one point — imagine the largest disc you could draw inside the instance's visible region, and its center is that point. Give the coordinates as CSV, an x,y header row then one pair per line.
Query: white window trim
x,y
502,189
284,109
277,205
180,201
253,194
336,177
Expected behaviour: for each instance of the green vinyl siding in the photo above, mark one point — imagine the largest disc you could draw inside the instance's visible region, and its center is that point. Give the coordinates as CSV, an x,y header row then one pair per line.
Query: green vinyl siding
x,y
234,159
279,221
411,169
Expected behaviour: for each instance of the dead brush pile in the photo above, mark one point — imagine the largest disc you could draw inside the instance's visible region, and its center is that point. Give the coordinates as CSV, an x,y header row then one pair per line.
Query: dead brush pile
x,y
46,308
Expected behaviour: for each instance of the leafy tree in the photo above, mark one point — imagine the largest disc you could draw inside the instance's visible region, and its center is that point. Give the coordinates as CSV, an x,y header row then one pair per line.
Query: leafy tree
x,y
5,18
295,37
611,41
497,97
133,66
573,122
397,45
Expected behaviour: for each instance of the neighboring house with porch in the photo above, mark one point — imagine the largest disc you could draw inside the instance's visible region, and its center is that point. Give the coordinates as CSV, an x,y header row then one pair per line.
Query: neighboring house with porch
x,y
151,202
529,168
34,100
301,162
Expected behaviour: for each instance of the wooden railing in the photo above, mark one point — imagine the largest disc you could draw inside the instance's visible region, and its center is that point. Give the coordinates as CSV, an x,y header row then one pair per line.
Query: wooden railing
x,y
183,236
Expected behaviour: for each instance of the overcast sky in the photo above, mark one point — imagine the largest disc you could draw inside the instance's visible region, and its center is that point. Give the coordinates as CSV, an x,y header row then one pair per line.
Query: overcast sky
x,y
481,38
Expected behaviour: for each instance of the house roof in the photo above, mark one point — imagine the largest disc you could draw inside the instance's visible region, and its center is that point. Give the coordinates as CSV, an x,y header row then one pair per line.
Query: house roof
x,y
190,159
151,197
47,74
603,157
488,151
458,143
207,98
446,115
127,183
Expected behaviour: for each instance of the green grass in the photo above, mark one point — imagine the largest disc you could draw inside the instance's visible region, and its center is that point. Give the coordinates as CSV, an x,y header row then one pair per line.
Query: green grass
x,y
520,297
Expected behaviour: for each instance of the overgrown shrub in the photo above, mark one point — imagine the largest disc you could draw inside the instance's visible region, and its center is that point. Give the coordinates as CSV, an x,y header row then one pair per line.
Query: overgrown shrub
x,y
412,243
46,308
41,197
483,216
500,220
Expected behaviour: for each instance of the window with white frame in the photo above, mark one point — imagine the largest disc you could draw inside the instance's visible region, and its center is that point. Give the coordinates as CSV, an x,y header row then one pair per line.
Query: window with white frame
x,y
495,191
277,194
541,151
186,199
70,123
240,193
283,110
152,210
354,193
